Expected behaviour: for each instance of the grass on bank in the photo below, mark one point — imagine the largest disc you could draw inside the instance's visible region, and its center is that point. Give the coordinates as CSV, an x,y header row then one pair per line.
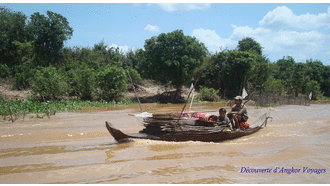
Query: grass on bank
x,y
17,108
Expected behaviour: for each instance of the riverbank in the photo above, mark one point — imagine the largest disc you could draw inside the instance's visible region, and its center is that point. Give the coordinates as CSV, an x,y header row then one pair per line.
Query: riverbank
x,y
22,106
16,104
146,90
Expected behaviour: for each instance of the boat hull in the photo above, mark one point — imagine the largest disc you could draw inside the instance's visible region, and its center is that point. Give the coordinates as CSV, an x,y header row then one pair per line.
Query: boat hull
x,y
182,136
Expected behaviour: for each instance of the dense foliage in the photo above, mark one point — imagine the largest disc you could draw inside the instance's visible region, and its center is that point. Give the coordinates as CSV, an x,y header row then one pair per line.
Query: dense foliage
x,y
12,28
234,69
49,84
112,82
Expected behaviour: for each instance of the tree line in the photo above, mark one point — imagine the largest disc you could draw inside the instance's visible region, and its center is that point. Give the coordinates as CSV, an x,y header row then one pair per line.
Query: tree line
x,y
247,67
32,55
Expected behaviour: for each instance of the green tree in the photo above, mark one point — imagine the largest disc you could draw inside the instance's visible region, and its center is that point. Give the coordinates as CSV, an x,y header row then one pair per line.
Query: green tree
x,y
250,45
96,58
273,86
173,57
100,47
24,51
133,59
259,73
48,35
325,87
284,71
211,71
23,71
298,78
230,69
235,70
283,65
315,70
12,28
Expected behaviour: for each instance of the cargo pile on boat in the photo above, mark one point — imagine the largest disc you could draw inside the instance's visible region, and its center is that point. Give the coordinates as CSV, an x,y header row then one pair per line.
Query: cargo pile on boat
x,y
175,122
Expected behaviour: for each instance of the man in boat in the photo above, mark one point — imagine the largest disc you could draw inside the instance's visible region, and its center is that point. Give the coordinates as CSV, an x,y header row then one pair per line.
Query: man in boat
x,y
238,113
223,119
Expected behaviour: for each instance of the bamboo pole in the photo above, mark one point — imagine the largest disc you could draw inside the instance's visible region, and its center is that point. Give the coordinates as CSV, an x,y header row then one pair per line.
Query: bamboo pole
x,y
188,98
192,99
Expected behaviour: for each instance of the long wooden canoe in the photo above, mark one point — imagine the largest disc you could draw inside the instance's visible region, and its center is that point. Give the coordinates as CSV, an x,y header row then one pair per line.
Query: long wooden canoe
x,y
190,133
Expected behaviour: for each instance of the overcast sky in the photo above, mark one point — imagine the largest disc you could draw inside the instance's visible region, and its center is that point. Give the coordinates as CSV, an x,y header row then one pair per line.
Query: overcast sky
x,y
298,30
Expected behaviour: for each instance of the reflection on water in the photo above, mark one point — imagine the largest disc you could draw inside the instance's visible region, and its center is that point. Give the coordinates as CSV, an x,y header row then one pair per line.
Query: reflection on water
x,y
76,148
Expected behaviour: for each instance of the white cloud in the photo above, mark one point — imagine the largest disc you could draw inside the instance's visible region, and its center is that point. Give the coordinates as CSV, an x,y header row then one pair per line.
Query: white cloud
x,y
271,41
171,7
122,49
151,28
283,40
280,32
212,40
282,17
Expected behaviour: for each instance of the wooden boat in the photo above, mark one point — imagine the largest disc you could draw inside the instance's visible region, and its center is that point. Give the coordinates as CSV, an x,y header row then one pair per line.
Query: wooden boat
x,y
185,130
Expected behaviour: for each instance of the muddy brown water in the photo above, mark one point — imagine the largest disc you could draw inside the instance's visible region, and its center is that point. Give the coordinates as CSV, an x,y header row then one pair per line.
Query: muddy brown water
x,y
75,147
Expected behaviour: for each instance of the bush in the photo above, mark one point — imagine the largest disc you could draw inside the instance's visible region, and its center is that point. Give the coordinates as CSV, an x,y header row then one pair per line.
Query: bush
x,y
4,71
112,83
21,81
49,84
72,80
87,83
82,82
23,75
208,94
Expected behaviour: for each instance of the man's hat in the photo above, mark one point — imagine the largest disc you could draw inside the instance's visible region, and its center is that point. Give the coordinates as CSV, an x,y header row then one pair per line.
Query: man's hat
x,y
239,98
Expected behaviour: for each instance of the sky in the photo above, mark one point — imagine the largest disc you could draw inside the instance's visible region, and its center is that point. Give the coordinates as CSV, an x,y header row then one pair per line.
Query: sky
x,y
300,30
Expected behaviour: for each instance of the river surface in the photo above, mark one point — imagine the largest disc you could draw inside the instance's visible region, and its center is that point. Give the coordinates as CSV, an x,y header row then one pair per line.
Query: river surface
x,y
75,147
